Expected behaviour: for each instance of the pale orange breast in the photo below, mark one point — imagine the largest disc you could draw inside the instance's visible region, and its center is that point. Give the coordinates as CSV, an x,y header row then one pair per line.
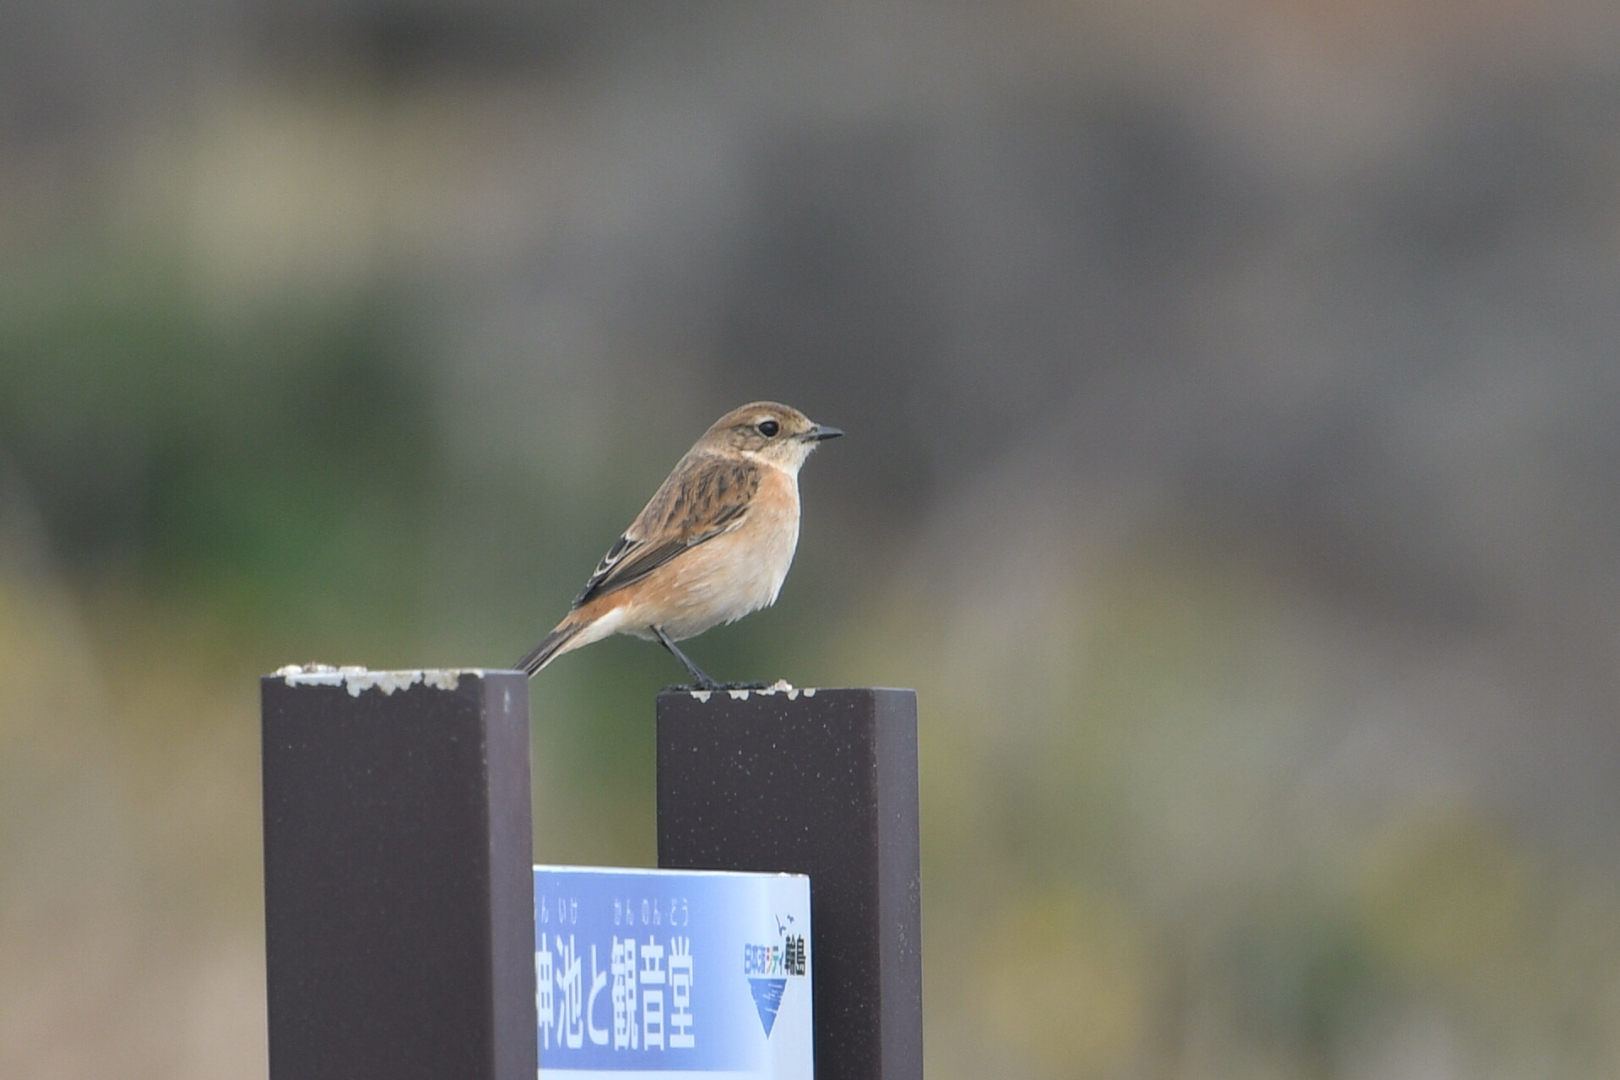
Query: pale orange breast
x,y
725,578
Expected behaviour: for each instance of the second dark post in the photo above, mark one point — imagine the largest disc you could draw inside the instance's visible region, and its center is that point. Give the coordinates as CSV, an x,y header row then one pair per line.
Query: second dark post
x,y
822,783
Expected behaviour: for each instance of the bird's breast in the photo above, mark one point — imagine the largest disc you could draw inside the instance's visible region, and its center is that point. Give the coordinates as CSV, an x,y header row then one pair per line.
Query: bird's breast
x,y
741,571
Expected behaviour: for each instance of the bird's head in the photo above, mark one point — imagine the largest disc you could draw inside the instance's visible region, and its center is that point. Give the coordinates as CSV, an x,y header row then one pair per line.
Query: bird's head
x,y
775,434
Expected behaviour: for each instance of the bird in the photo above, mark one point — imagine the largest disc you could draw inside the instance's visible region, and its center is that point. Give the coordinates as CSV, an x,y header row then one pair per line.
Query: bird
x,y
713,544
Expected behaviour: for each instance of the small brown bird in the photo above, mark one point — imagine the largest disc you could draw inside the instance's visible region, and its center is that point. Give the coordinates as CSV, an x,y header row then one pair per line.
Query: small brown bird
x,y
712,545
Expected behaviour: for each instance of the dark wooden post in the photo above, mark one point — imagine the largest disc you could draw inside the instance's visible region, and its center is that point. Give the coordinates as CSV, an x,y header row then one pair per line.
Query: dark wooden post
x,y
399,901
822,783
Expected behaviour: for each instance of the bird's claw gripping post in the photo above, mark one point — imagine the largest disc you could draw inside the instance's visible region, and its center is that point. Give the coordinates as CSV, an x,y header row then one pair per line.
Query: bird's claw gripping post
x,y
700,681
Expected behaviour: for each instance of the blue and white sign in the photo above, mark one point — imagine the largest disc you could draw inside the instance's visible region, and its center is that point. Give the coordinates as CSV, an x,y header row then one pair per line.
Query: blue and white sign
x,y
691,971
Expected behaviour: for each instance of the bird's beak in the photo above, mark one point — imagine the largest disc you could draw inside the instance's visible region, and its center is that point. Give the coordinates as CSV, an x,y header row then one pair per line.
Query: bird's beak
x,y
821,432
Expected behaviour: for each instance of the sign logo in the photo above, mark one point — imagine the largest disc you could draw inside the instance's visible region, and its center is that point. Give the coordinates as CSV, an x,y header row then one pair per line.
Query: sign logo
x,y
768,968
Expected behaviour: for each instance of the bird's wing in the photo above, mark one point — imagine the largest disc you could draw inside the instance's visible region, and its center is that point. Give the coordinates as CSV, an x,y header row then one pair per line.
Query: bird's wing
x,y
705,497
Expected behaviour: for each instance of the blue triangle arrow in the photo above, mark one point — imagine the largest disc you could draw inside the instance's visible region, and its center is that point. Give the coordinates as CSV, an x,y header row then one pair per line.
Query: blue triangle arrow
x,y
767,999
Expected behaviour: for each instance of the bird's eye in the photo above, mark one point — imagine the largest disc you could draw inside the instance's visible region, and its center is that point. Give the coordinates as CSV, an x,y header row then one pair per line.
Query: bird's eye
x,y
769,428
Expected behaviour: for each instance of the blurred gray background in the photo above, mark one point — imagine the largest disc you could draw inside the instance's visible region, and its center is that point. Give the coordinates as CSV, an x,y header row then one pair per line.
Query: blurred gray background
x,y
1233,410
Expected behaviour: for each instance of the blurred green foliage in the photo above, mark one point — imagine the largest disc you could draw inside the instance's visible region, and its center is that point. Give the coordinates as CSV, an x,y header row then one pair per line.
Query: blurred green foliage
x,y
276,459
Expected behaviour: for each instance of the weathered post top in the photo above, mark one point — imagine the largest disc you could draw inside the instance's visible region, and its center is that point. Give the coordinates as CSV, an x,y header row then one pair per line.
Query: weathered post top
x,y
824,783
399,918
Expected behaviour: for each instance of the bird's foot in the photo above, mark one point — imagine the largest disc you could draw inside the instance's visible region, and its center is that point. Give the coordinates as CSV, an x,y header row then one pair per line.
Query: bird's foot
x,y
691,688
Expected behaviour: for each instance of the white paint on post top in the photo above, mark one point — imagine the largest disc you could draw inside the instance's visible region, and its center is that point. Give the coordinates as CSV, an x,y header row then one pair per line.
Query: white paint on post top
x,y
780,686
357,680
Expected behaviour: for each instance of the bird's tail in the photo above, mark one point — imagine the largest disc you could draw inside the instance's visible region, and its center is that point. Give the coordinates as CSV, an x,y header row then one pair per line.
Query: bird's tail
x,y
554,643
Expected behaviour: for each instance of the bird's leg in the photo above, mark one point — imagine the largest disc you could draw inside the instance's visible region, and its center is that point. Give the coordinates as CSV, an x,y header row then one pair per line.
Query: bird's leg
x,y
702,681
